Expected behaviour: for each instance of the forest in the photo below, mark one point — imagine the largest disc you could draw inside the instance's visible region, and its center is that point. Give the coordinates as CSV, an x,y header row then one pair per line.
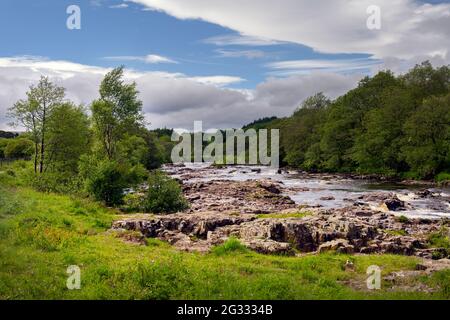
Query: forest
x,y
396,126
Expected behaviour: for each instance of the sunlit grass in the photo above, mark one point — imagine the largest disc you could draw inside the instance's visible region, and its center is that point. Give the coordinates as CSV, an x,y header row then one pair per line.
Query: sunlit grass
x,y
285,215
42,234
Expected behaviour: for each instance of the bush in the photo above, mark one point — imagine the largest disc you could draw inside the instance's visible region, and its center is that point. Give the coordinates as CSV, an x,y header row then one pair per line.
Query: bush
x,y
402,219
58,182
164,194
3,144
443,177
107,183
19,148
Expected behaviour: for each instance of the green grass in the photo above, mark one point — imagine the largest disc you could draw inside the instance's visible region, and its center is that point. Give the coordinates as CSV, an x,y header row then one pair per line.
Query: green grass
x,y
285,215
231,246
42,234
396,232
441,240
443,177
402,219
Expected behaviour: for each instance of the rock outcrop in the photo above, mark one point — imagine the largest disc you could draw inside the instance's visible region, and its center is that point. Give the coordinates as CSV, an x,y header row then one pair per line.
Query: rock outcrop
x,y
221,209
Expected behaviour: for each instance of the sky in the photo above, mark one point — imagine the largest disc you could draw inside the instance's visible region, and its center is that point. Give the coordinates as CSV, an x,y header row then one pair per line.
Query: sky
x,y
223,62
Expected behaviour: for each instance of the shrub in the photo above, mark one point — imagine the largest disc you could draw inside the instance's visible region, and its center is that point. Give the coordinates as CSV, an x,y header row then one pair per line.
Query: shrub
x,y
164,194
59,182
133,202
443,177
107,183
402,219
19,148
3,144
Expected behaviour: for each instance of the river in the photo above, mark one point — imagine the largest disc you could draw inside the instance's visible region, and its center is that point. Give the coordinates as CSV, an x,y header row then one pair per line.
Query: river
x,y
329,191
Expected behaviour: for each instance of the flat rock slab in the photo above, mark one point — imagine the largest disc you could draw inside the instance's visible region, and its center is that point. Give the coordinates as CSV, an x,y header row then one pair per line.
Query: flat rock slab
x,y
257,197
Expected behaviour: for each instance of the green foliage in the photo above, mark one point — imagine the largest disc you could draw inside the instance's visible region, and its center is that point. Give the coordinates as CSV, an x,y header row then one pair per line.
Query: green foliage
x,y
34,113
440,239
402,219
118,112
427,135
394,126
260,123
164,194
231,246
107,183
133,149
443,177
159,148
3,143
19,148
68,138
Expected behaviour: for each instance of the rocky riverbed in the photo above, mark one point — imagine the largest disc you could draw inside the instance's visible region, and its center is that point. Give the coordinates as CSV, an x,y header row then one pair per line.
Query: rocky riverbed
x,y
262,212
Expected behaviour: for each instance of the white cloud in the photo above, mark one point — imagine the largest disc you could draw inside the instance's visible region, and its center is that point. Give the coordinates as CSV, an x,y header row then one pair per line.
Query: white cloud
x,y
409,28
150,59
219,81
173,99
249,54
283,68
240,40
119,6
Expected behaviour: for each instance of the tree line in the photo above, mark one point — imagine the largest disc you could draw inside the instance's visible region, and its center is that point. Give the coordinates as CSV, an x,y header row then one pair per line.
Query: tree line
x,y
101,150
389,125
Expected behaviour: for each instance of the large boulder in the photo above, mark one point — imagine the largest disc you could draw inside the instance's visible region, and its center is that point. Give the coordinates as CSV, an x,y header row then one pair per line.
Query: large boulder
x,y
393,204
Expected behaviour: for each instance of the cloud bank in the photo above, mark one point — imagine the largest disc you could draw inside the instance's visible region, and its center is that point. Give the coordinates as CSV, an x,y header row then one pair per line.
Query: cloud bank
x,y
408,28
172,99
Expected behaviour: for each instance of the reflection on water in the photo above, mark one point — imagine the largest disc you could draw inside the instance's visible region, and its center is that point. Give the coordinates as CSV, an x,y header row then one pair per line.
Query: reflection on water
x,y
332,191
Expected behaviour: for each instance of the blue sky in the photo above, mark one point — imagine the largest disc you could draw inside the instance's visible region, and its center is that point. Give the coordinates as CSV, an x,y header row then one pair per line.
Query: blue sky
x,y
38,28
224,62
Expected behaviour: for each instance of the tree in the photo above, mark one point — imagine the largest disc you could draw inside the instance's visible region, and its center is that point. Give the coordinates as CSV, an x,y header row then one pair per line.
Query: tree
x,y
68,138
377,147
427,135
33,114
425,81
345,120
133,149
302,131
117,112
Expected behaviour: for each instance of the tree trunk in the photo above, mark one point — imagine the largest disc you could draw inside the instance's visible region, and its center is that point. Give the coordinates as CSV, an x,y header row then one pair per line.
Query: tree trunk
x,y
41,166
36,151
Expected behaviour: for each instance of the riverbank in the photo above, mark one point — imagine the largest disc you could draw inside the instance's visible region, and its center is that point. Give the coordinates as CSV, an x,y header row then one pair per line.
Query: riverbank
x,y
41,234
261,214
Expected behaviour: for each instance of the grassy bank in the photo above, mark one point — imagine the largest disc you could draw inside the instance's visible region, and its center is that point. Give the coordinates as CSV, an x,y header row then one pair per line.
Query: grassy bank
x,y
42,234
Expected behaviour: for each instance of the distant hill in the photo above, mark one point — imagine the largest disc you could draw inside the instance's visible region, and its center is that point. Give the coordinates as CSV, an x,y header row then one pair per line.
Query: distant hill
x,y
8,135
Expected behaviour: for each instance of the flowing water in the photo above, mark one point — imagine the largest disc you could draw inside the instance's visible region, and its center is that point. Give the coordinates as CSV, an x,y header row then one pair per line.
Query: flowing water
x,y
332,191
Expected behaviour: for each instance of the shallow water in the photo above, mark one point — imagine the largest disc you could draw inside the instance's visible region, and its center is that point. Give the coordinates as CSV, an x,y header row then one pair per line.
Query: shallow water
x,y
344,191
